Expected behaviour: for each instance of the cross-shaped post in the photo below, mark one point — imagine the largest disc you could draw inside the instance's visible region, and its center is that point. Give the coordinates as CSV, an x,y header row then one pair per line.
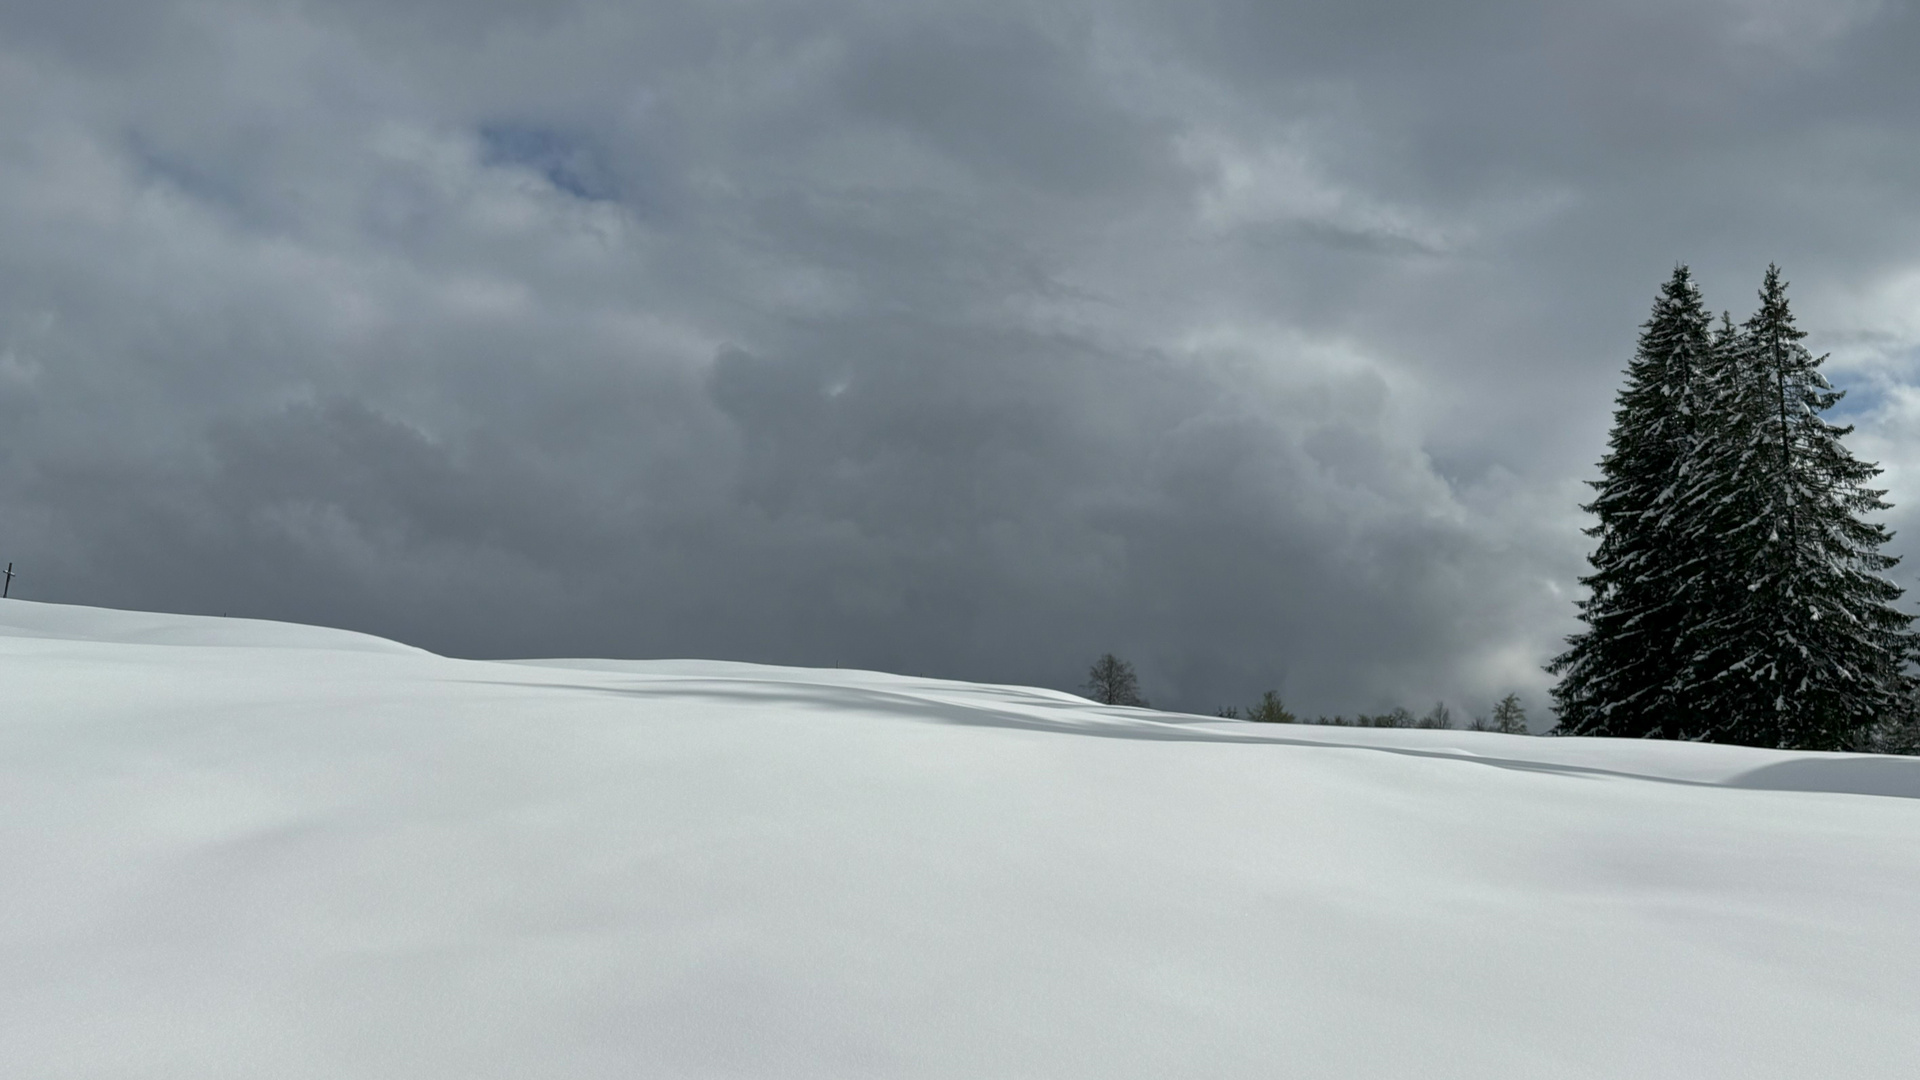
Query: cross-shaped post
x,y
8,586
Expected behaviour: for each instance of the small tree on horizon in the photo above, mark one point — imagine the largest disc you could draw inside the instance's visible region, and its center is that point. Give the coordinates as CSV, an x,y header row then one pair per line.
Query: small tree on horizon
x,y
1508,716
1270,711
1111,681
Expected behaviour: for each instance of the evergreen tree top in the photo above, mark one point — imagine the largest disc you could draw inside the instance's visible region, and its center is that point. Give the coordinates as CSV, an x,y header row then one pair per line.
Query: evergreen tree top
x,y
1774,316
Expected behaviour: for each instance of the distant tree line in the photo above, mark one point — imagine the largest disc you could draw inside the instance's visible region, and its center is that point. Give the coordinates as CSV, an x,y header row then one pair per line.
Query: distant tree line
x,y
1111,681
1509,717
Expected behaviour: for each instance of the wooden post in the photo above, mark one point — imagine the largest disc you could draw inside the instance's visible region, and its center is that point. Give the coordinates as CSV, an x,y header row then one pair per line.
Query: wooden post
x,y
8,587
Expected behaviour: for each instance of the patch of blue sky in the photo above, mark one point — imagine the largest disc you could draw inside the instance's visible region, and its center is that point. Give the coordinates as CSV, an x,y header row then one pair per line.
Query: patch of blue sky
x,y
1869,380
1863,399
570,163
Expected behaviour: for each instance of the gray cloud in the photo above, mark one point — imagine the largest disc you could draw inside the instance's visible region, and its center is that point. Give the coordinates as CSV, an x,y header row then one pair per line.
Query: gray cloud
x,y
1265,344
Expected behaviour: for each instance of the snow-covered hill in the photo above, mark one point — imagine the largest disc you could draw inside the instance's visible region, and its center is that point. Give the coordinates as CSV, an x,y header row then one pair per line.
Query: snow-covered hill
x,y
243,849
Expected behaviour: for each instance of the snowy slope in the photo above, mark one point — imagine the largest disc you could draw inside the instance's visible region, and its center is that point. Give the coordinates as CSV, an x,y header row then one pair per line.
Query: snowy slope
x,y
241,849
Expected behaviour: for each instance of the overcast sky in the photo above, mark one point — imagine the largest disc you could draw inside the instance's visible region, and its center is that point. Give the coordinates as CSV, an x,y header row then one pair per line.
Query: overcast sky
x,y
1265,344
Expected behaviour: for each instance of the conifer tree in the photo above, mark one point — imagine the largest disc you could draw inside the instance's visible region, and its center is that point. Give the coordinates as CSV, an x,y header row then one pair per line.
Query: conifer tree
x,y
1270,710
1619,676
1509,717
1789,637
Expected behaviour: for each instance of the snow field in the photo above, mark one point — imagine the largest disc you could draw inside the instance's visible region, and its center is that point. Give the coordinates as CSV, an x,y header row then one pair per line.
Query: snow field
x,y
239,849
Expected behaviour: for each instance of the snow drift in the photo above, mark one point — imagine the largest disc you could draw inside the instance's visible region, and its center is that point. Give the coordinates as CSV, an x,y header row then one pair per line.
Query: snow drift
x,y
245,849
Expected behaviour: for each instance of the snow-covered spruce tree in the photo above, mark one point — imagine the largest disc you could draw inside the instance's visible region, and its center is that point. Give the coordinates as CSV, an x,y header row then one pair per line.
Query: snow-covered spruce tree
x,y
1620,675
1891,735
1790,639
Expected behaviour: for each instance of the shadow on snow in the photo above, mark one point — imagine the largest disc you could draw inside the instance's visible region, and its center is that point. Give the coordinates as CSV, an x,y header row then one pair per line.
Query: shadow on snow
x,y
1897,777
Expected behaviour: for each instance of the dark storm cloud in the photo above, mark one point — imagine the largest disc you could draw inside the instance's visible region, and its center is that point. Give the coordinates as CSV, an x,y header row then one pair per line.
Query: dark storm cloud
x,y
1266,344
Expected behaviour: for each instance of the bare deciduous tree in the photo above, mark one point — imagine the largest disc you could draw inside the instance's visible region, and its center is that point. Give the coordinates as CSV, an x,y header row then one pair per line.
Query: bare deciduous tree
x,y
1111,682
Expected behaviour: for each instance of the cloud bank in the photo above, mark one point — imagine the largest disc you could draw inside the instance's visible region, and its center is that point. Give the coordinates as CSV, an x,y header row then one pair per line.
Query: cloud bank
x,y
1264,344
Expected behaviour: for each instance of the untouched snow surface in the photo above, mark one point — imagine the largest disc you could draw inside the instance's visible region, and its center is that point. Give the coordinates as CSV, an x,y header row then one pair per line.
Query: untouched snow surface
x,y
244,849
